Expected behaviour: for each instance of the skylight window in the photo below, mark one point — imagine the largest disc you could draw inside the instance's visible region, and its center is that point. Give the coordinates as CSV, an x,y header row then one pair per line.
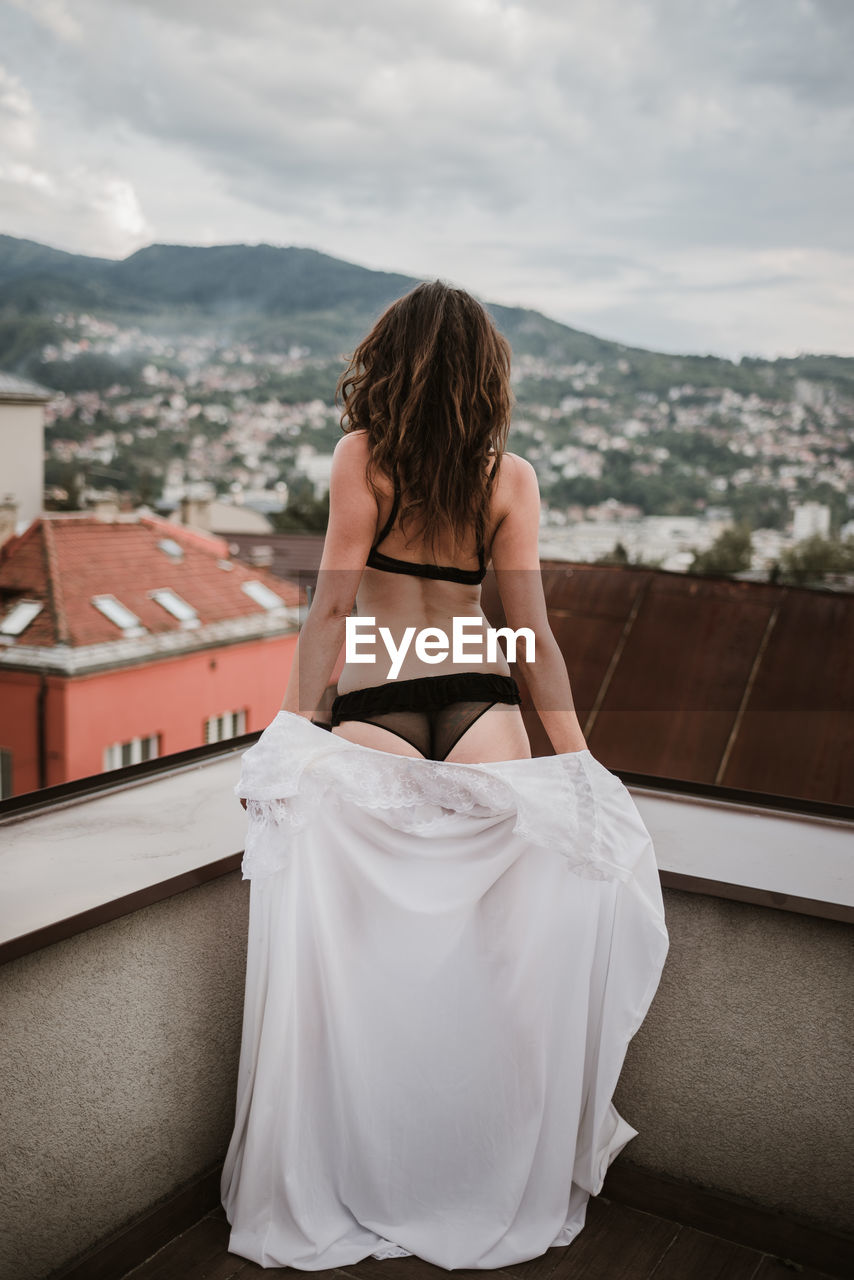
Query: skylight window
x,y
262,595
172,603
172,548
19,617
123,618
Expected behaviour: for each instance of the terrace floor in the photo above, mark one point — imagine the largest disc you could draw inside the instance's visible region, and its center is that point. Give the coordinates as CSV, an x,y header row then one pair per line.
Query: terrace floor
x,y
617,1243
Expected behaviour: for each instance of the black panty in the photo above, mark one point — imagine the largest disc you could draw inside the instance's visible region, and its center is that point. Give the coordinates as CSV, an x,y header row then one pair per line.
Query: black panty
x,y
432,712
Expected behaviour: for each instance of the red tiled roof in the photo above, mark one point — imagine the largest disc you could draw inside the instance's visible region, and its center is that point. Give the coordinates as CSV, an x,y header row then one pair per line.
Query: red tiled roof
x,y
65,560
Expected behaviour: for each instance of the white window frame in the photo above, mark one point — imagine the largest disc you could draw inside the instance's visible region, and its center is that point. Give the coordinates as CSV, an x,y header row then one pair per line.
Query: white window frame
x,y
263,595
118,755
229,724
171,548
119,614
20,616
176,605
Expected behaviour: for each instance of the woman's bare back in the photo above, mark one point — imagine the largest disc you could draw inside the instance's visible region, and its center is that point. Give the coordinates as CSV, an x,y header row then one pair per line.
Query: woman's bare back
x,y
399,601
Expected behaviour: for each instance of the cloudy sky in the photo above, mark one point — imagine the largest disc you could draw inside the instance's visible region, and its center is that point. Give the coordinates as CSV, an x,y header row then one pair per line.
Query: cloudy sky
x,y
673,174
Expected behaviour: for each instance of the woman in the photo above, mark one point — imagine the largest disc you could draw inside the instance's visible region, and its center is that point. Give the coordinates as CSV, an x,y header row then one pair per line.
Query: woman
x,y
436,1014
428,400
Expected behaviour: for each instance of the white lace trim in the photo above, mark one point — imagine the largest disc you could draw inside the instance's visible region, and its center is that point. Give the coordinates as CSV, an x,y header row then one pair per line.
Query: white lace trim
x,y
388,1250
296,767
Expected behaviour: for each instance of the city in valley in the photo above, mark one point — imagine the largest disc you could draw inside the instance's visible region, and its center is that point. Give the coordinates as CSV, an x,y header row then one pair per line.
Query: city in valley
x,y
643,475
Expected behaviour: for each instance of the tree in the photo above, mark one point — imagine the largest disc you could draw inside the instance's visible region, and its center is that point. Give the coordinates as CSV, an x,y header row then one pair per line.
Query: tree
x,y
617,555
815,559
304,513
729,553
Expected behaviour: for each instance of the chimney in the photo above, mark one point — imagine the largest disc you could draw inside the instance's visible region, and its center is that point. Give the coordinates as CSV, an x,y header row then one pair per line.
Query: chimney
x,y
261,555
105,506
196,513
8,517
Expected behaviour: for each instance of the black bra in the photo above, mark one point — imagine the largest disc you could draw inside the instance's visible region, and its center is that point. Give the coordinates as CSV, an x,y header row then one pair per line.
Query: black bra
x,y
389,564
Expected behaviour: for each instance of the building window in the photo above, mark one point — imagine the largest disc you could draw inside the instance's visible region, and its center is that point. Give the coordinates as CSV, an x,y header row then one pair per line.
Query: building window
x,y
19,617
121,754
173,549
229,725
5,773
174,604
261,594
118,614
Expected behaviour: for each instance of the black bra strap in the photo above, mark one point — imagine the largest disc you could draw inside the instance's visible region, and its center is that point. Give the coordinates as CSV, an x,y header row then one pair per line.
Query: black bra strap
x,y
394,506
489,480
387,526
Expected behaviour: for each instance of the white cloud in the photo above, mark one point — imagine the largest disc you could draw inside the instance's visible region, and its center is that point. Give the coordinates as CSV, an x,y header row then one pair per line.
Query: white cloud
x,y
17,114
74,209
70,204
55,17
632,166
115,200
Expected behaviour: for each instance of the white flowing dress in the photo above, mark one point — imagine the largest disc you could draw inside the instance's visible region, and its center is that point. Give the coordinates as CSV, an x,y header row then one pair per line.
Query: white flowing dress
x,y
446,963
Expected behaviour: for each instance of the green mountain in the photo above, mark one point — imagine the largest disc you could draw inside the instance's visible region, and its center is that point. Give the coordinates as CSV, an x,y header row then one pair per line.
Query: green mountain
x,y
257,293
221,280
275,297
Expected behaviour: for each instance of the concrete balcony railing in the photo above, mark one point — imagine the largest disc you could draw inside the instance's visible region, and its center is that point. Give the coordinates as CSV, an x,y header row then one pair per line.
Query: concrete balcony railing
x,y
123,933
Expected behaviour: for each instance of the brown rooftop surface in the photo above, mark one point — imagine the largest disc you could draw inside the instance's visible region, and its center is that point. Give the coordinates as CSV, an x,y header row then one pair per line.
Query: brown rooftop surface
x,y
617,1243
290,554
741,684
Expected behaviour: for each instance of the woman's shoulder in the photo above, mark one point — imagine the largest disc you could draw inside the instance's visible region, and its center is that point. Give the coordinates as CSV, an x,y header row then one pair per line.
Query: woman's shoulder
x,y
517,470
350,455
353,443
515,460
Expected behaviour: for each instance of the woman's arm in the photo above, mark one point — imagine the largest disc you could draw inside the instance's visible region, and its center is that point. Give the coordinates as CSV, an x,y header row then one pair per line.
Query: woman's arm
x,y
516,561
349,534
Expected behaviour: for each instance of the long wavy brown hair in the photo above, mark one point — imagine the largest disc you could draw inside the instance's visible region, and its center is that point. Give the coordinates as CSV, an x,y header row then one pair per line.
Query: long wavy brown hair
x,y
431,386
